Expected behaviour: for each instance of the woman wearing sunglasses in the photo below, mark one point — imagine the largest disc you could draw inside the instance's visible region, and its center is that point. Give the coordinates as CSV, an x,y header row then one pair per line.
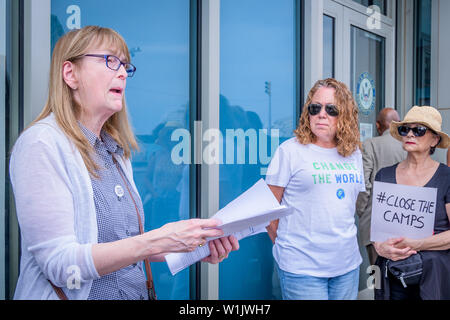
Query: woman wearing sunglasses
x,y
319,174
80,214
420,132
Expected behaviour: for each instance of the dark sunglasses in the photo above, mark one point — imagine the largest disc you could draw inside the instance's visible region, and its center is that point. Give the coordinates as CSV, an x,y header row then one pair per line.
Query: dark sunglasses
x,y
417,131
330,109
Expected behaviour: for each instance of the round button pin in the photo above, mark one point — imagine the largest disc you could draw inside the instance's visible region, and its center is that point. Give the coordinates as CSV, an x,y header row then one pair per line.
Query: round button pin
x,y
119,191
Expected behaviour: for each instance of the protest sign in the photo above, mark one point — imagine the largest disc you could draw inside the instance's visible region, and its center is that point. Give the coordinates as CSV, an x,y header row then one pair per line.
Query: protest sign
x,y
402,211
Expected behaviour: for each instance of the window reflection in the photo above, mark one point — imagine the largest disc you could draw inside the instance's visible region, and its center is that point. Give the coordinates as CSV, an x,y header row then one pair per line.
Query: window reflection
x,y
3,142
382,4
368,56
158,100
422,54
257,85
328,47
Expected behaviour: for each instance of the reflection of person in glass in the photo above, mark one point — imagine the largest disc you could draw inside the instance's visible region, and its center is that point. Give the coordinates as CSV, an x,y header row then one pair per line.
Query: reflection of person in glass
x,y
319,174
79,211
162,181
163,176
420,133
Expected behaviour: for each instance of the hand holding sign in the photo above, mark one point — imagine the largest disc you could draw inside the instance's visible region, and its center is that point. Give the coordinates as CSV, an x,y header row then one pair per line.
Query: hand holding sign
x,y
393,249
402,211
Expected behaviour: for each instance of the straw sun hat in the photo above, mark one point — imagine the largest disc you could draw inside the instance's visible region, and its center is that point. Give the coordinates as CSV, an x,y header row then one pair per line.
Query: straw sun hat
x,y
427,116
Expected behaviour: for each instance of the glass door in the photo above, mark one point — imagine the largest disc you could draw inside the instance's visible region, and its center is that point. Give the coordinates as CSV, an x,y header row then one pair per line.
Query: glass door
x,y
364,55
367,77
364,59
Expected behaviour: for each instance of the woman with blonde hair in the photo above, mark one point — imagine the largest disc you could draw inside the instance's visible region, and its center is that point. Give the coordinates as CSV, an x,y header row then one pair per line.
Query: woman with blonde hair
x,y
79,211
319,174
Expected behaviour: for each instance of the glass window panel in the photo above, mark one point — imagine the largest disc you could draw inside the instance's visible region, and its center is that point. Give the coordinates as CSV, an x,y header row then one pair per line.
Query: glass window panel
x,y
2,144
257,86
367,77
382,4
328,46
13,126
422,56
158,102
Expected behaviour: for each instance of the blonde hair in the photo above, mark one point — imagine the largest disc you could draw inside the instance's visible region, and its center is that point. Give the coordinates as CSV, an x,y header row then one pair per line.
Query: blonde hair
x,y
347,133
61,102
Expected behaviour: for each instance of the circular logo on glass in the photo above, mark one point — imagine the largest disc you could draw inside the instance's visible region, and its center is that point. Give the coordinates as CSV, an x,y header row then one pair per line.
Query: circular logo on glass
x,y
340,194
365,93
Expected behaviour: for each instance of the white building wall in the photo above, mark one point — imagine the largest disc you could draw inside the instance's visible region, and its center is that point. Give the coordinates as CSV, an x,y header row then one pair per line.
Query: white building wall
x,y
440,65
37,56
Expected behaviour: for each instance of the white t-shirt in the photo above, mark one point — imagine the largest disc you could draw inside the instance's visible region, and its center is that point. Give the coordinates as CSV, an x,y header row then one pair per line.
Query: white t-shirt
x,y
319,238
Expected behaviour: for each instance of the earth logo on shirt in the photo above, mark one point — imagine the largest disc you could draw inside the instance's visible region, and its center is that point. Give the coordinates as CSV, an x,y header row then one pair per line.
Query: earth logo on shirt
x,y
340,194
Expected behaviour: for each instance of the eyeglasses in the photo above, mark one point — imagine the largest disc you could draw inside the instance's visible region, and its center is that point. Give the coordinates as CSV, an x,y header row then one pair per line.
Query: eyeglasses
x,y
315,108
114,63
418,131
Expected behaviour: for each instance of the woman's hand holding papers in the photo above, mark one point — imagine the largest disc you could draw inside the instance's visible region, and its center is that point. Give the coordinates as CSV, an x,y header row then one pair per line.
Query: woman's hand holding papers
x,y
221,248
183,236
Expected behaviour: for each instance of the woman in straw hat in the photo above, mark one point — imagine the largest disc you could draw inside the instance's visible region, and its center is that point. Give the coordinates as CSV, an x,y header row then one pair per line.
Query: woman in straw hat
x,y
420,132
79,211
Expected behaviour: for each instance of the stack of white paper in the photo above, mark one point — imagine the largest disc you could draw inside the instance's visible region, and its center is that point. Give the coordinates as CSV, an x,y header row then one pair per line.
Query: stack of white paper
x,y
245,216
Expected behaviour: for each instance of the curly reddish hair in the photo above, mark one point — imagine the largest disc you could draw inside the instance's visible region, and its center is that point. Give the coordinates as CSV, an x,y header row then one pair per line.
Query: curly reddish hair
x,y
347,133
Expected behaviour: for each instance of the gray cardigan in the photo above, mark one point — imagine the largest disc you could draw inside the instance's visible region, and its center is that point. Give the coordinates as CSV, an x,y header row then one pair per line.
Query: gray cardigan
x,y
56,213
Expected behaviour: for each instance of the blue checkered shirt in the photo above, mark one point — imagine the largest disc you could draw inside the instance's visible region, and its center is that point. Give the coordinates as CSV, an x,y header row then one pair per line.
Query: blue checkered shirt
x,y
116,220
